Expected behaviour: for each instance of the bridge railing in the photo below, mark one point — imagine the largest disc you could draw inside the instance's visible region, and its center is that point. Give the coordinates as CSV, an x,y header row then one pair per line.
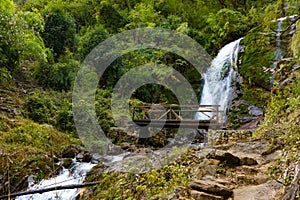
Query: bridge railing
x,y
210,113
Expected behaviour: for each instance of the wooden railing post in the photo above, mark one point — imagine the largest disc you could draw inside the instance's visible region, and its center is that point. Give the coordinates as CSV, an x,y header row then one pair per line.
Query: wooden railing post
x,y
133,110
221,117
217,113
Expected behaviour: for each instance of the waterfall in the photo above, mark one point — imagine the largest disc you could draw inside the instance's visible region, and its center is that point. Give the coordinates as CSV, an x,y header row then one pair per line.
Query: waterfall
x,y
218,78
74,175
279,54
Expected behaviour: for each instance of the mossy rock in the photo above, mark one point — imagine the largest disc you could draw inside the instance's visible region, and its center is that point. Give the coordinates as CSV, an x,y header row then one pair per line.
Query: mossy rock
x,y
158,140
70,152
67,163
119,136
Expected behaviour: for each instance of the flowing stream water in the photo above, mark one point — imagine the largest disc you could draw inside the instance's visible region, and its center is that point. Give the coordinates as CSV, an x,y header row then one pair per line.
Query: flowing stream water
x,y
73,175
218,78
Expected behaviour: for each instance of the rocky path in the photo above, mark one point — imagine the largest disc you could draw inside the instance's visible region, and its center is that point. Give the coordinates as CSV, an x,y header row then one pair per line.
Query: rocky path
x,y
236,168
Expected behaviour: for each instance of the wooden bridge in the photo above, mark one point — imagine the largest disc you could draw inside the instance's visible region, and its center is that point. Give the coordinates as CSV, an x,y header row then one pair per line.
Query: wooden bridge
x,y
174,116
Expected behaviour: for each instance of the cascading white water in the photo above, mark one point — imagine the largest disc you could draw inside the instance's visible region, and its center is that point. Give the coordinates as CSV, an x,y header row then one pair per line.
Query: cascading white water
x,y
74,175
218,78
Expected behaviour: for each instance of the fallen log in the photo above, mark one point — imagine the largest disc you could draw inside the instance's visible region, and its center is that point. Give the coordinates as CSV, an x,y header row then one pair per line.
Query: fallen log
x,y
40,191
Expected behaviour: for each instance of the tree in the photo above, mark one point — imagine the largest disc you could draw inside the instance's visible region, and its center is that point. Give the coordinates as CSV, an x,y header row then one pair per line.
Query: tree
x,y
110,18
11,41
90,39
223,27
143,15
59,32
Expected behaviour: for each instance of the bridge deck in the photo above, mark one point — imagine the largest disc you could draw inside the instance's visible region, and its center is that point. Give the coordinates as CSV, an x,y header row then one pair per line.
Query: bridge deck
x,y
175,116
199,124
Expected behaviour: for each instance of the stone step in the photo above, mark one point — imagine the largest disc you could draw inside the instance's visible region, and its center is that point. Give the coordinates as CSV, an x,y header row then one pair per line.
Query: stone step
x,y
219,137
204,196
211,187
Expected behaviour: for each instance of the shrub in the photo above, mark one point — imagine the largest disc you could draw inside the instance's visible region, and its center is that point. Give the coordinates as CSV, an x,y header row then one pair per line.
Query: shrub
x,y
39,107
64,119
6,79
59,76
59,32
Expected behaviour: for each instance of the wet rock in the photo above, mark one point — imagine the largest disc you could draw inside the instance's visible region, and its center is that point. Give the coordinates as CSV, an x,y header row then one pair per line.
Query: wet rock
x,y
204,196
255,111
211,187
224,156
72,151
134,164
97,158
84,156
67,162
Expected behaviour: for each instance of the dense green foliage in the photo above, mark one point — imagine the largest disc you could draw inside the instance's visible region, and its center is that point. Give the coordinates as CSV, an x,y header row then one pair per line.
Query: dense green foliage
x,y
48,39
